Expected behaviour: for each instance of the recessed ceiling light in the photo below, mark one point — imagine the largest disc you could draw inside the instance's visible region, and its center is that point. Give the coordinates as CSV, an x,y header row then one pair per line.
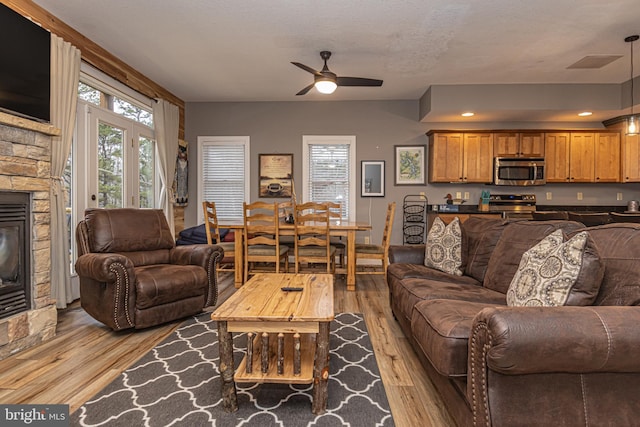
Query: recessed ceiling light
x,y
469,114
585,113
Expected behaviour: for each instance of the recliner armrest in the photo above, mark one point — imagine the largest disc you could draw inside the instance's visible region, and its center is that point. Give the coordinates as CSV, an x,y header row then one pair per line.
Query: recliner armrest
x,y
207,257
100,266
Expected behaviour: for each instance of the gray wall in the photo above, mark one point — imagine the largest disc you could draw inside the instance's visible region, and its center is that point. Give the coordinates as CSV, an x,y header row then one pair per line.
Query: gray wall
x,y
278,127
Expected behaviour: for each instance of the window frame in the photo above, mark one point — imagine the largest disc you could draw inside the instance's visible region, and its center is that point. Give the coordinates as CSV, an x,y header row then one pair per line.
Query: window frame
x,y
350,141
245,142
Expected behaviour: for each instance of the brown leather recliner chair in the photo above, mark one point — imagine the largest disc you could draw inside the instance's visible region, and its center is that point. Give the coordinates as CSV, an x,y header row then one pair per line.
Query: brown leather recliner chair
x,y
132,275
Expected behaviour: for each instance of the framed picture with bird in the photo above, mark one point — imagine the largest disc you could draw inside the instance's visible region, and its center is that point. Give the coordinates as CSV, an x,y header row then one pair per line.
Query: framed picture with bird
x,y
410,164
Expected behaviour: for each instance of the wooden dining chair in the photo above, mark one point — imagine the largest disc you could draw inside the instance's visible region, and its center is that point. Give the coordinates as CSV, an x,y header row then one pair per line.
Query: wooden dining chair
x,y
381,251
335,213
213,237
262,238
312,240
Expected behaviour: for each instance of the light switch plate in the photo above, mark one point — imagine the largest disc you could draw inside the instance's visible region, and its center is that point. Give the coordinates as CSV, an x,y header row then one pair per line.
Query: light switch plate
x,y
579,195
466,195
549,195
619,196
458,195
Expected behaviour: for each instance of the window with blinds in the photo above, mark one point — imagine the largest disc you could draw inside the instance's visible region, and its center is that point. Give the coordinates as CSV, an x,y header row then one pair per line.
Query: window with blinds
x,y
330,172
223,174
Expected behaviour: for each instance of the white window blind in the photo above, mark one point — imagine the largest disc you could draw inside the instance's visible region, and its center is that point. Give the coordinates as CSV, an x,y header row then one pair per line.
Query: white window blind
x,y
330,173
223,174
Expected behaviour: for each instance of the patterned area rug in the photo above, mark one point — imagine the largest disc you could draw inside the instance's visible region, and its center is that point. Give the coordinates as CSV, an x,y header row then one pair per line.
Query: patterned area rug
x,y
178,384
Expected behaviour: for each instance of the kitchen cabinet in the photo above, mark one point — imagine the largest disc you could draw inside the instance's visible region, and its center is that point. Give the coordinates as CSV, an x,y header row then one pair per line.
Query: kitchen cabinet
x,y
556,159
582,156
631,158
607,157
461,157
526,144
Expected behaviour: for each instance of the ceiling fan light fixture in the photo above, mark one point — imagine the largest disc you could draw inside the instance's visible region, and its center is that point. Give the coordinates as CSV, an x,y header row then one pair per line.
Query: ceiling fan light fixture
x,y
632,121
326,86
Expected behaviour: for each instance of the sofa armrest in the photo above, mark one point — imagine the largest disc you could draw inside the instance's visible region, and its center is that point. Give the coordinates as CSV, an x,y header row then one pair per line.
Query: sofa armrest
x,y
413,254
207,257
104,267
526,340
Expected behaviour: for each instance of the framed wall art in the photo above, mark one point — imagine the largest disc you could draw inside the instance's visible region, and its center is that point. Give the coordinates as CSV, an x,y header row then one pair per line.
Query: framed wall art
x,y
410,165
276,175
372,178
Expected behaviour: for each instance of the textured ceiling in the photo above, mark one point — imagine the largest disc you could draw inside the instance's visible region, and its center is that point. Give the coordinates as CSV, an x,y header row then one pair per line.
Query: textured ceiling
x,y
204,50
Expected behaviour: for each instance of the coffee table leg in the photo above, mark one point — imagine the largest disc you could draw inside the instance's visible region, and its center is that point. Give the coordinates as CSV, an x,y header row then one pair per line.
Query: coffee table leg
x,y
229,397
321,370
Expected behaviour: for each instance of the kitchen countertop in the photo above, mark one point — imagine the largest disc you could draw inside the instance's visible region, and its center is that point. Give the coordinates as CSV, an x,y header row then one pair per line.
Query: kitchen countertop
x,y
473,209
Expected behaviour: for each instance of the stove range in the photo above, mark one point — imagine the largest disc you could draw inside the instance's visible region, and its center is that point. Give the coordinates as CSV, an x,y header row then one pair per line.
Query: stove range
x,y
524,203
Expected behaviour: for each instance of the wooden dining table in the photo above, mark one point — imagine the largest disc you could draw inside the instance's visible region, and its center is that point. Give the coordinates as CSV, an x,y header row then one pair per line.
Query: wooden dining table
x,y
337,227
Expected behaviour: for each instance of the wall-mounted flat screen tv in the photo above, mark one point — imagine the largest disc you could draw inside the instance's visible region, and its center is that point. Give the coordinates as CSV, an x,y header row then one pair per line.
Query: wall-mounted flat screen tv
x,y
25,66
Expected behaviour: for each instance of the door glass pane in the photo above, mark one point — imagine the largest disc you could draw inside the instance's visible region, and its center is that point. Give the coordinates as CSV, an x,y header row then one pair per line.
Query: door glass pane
x,y
147,172
110,166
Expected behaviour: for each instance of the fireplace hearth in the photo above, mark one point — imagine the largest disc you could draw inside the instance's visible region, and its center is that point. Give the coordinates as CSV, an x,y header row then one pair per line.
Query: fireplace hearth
x,y
15,265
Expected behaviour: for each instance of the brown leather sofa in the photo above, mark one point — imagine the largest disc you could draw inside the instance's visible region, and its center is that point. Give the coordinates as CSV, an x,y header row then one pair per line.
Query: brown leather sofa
x,y
496,365
132,275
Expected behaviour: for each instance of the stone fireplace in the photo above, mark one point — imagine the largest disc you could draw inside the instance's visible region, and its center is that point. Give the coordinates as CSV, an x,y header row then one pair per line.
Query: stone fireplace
x,y
25,165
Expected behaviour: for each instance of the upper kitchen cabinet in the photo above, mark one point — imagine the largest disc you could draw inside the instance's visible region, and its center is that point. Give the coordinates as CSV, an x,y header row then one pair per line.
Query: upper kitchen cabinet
x,y
525,144
460,157
607,157
556,157
582,156
631,158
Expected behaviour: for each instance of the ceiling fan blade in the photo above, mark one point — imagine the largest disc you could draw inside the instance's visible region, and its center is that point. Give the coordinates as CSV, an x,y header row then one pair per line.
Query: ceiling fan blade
x,y
305,90
357,81
307,68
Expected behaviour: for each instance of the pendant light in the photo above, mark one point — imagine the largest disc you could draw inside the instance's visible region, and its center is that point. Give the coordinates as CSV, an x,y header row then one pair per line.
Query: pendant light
x,y
632,121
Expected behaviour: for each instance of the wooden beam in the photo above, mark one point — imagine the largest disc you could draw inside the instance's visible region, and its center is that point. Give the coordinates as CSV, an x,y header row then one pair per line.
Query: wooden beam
x,y
95,55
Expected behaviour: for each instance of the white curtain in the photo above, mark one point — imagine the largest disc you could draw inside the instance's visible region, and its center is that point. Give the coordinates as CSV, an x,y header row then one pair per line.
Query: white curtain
x,y
165,119
65,73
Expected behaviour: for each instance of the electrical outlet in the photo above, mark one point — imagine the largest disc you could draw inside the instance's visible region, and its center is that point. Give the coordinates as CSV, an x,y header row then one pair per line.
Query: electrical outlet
x,y
424,197
579,195
466,195
366,240
549,195
619,196
458,195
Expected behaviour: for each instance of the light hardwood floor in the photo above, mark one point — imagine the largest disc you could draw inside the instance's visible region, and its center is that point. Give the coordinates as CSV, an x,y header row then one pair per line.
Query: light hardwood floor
x,y
85,356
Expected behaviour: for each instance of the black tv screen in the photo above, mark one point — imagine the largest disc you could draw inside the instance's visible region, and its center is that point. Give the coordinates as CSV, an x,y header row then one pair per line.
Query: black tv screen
x,y
25,70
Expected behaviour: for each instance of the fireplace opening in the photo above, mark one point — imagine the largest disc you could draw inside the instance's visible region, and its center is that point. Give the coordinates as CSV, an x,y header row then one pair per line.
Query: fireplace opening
x,y
15,249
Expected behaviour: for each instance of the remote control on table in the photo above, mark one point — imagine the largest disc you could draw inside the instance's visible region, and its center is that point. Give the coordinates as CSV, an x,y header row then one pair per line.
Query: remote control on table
x,y
291,289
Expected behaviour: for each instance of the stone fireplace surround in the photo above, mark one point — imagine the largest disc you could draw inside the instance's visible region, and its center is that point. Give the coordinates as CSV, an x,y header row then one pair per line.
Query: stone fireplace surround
x,y
25,166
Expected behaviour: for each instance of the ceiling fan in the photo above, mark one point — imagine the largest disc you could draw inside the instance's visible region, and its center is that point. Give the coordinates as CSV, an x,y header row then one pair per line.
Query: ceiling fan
x,y
326,82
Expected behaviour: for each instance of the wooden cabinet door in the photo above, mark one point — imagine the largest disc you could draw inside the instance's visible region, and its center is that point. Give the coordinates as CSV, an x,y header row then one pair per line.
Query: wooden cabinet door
x,y
631,158
607,157
445,157
532,144
506,144
582,157
478,158
556,147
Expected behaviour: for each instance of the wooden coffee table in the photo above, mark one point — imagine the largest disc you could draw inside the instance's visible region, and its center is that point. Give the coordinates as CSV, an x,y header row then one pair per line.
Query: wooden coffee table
x,y
286,332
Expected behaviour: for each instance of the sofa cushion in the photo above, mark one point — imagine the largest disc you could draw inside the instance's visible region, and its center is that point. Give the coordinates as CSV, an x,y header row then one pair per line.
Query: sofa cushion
x,y
549,272
619,249
479,239
444,247
517,238
442,329
408,292
402,271
165,283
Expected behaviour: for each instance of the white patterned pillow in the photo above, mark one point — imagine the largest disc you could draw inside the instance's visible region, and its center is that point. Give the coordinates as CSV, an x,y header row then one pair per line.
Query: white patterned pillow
x,y
548,272
443,251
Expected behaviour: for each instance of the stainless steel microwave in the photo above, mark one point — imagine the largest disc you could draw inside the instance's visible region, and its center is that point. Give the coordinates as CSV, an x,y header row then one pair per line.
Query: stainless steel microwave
x,y
521,171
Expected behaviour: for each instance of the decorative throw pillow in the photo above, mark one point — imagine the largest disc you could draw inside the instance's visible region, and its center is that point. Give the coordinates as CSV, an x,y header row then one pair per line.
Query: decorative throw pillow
x,y
548,271
443,251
